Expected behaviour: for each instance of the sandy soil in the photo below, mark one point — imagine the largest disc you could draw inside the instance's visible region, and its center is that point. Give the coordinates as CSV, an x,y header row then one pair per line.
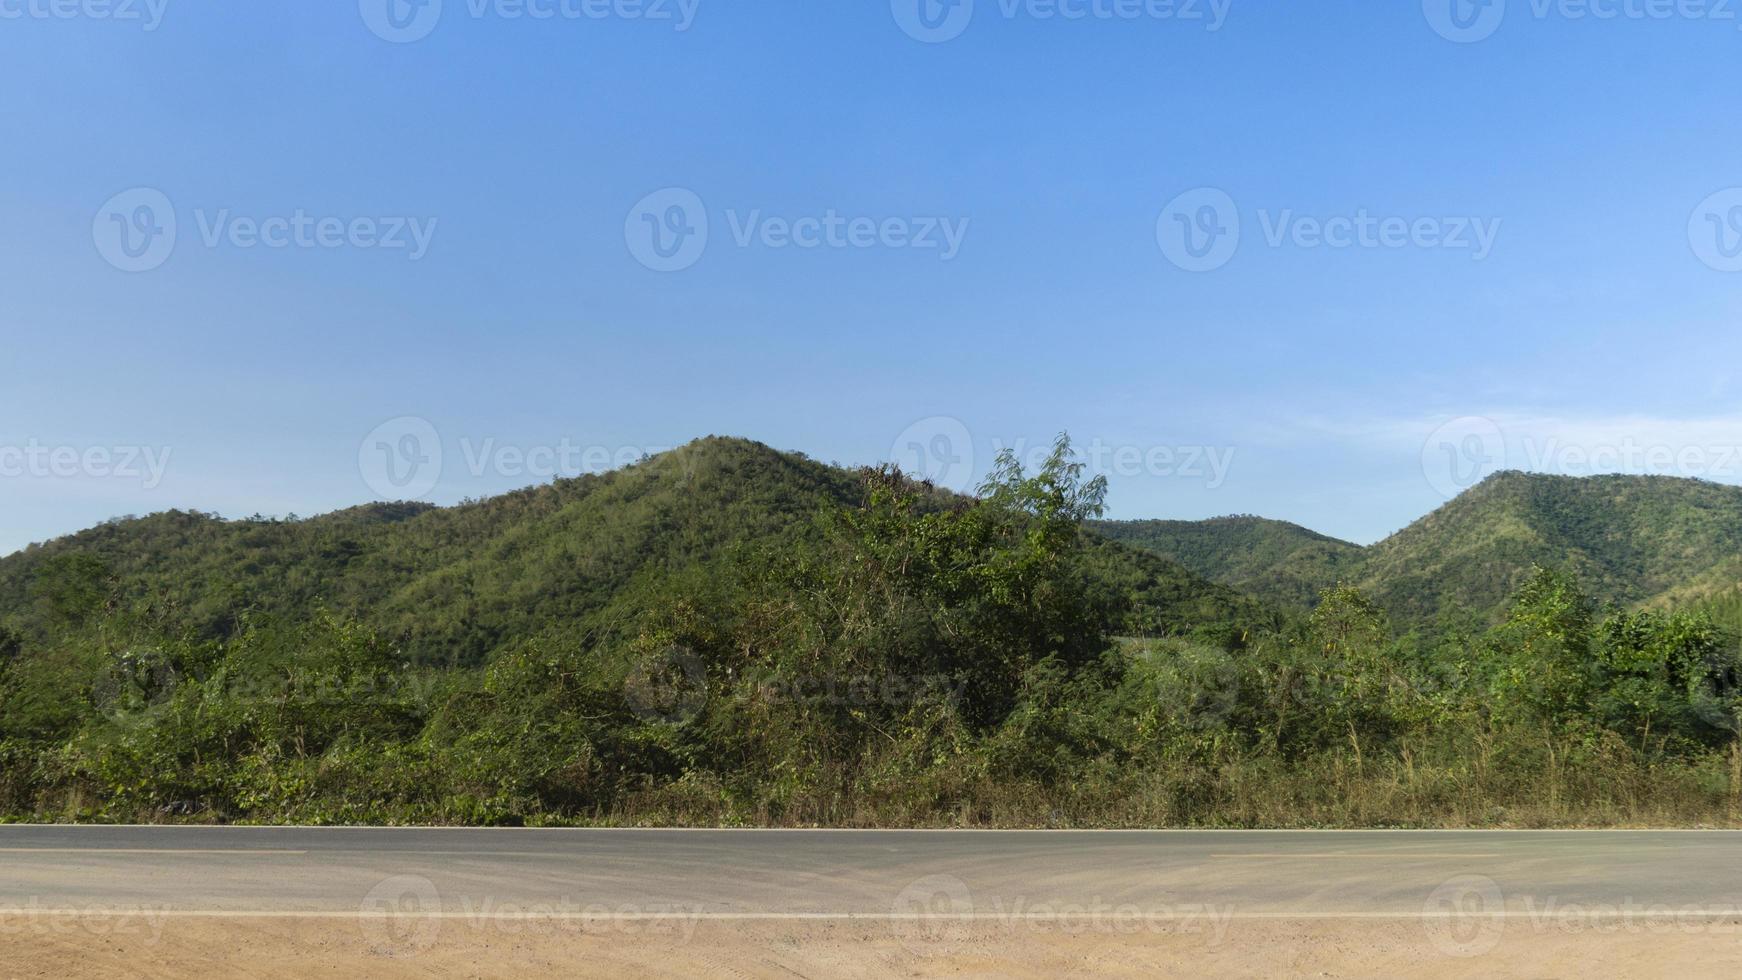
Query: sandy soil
x,y
295,947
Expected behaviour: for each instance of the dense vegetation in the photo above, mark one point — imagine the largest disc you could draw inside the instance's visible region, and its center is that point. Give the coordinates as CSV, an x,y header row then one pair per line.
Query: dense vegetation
x,y
1636,541
1281,562
729,635
455,586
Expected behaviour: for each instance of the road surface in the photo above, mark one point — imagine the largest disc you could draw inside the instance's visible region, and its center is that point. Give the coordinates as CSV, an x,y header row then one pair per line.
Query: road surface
x,y
419,903
799,874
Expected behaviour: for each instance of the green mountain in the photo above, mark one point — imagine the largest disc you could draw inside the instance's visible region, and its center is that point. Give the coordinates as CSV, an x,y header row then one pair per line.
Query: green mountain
x,y
453,584
1631,540
1279,562
729,635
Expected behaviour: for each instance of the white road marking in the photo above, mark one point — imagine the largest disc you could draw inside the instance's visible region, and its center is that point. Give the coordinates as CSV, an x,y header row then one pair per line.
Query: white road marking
x,y
583,916
144,850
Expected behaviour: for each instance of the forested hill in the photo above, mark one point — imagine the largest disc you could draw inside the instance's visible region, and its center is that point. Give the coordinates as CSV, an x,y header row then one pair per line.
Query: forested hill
x,y
454,584
726,635
1632,541
1281,562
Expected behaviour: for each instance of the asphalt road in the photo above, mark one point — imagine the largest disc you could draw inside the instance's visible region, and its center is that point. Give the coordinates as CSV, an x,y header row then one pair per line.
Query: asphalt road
x,y
223,871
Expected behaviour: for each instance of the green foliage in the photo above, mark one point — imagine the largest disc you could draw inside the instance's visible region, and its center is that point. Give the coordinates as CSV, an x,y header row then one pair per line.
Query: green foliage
x,y
1279,562
1631,540
453,586
1542,665
739,637
71,588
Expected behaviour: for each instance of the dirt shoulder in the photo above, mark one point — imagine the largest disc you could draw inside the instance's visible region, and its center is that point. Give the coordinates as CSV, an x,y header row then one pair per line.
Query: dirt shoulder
x,y
341,947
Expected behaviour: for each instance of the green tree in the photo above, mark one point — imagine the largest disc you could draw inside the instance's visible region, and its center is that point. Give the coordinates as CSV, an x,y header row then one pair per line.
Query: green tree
x,y
1542,665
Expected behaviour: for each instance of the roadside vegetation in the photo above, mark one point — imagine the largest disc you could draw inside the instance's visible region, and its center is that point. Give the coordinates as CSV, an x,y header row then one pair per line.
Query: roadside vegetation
x,y
906,658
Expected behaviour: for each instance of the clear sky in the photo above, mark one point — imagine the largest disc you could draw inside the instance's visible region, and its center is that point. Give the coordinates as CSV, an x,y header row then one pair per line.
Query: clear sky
x,y
879,227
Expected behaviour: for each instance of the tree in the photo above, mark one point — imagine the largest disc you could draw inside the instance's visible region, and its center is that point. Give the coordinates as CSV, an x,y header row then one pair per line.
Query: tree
x,y
1542,667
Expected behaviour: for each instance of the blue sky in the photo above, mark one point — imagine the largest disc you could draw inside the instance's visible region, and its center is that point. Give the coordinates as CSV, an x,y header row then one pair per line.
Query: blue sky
x,y
467,275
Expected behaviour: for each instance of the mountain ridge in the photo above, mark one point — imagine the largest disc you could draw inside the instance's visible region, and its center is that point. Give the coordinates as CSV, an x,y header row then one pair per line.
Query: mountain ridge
x,y
457,583
1634,540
